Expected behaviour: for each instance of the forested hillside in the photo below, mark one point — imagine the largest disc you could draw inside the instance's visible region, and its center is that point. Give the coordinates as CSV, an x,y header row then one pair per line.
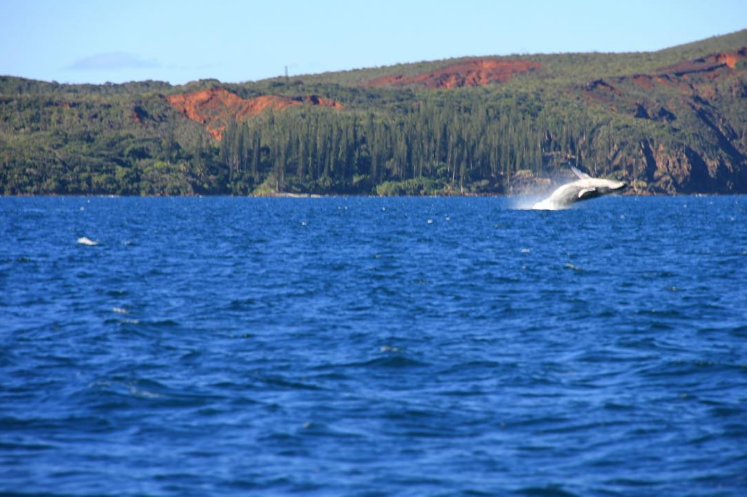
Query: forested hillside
x,y
673,121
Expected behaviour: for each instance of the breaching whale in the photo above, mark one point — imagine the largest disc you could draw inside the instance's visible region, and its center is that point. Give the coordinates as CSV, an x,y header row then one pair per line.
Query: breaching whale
x,y
584,188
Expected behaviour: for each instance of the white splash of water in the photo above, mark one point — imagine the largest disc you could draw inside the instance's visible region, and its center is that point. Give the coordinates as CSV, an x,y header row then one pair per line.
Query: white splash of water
x,y
84,240
533,202
548,205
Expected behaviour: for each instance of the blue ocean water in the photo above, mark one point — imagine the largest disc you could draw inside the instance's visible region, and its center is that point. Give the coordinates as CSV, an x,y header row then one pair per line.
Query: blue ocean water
x,y
366,346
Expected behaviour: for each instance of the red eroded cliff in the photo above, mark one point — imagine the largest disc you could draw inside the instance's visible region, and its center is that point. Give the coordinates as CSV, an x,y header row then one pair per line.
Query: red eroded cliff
x,y
477,72
216,107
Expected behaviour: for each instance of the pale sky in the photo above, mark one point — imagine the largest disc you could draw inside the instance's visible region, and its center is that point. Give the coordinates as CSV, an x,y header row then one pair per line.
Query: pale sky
x,y
234,41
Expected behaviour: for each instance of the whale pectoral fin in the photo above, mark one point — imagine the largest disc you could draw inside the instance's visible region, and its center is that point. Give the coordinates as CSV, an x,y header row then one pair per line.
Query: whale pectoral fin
x,y
580,174
587,193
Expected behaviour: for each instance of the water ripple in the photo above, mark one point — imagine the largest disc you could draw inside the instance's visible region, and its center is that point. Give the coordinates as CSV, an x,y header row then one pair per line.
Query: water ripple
x,y
366,346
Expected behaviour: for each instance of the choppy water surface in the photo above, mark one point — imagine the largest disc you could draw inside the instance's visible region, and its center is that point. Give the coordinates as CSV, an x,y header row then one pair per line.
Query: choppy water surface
x,y
364,346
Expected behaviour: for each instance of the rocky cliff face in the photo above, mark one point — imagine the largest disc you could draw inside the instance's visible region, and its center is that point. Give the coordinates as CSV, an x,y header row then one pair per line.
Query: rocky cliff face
x,y
684,170
699,138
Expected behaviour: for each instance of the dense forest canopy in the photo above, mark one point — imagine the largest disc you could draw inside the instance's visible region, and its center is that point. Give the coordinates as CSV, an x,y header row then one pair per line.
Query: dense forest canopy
x,y
668,121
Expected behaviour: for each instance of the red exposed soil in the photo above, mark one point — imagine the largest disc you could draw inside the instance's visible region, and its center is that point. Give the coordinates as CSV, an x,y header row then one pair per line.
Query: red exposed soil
x,y
709,63
692,79
686,75
215,108
731,59
477,72
643,81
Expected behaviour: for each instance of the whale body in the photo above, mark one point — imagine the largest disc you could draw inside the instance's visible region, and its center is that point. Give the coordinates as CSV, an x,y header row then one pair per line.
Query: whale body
x,y
584,188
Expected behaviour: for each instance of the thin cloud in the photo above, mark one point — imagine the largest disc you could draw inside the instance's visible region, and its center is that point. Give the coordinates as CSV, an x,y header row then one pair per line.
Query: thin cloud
x,y
112,61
